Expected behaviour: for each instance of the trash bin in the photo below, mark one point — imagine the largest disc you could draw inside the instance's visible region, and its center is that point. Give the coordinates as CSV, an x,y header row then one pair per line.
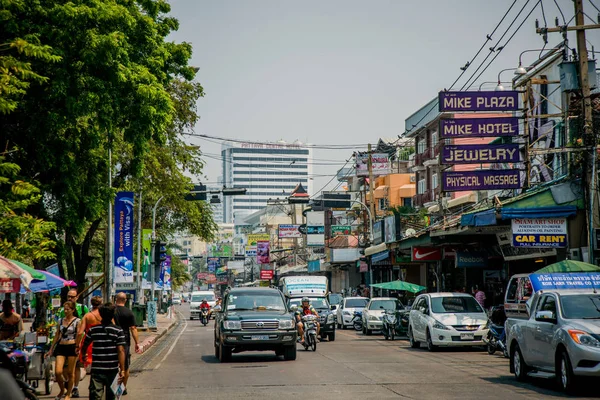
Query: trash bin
x,y
139,310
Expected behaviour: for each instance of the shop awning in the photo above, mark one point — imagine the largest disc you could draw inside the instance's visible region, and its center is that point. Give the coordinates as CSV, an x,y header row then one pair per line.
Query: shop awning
x,y
481,218
560,200
375,249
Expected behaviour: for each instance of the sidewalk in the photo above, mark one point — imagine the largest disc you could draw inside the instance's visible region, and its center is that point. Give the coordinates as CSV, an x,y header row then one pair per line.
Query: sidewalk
x,y
147,339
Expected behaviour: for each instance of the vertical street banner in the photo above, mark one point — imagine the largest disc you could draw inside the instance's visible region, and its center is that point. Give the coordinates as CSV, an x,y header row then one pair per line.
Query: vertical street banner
x,y
263,252
123,238
165,273
146,257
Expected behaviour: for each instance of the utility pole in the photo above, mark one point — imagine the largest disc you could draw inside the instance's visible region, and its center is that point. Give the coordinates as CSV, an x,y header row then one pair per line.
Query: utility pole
x,y
589,137
372,209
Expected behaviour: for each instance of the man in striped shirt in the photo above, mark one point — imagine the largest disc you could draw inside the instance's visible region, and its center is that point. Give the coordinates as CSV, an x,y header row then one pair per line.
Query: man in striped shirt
x,y
108,354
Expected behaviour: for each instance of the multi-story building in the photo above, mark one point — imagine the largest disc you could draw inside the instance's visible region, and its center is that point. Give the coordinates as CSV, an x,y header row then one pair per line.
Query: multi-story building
x,y
217,208
266,170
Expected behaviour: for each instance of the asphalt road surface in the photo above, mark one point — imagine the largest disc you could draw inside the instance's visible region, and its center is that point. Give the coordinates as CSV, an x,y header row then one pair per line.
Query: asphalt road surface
x,y
183,366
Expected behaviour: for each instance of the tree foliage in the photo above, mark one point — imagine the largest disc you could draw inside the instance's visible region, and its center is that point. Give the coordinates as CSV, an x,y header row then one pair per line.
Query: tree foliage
x,y
118,84
179,274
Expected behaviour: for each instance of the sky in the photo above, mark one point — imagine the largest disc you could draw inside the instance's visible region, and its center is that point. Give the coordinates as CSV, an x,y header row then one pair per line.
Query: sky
x,y
343,71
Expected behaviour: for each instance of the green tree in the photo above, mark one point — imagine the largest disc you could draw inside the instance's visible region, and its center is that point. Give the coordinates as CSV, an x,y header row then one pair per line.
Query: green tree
x,y
23,237
115,88
179,274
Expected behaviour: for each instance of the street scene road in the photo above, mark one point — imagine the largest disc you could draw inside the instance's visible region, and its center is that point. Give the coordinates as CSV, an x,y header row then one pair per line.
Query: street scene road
x,y
354,366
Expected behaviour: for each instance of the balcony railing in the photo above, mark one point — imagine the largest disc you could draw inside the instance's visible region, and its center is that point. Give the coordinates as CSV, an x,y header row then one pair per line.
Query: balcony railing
x,y
423,198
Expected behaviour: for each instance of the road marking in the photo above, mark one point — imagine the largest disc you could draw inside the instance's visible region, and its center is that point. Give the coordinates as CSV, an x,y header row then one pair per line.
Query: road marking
x,y
174,342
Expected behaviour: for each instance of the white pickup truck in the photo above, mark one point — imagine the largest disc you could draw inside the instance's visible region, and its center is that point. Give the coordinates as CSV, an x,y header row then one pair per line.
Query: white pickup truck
x,y
561,336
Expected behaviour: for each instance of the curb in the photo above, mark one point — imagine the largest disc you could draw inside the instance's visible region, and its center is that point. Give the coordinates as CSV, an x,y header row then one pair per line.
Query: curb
x,y
146,344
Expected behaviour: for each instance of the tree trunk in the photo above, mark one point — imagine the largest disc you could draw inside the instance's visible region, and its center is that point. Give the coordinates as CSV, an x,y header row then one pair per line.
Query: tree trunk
x,y
78,256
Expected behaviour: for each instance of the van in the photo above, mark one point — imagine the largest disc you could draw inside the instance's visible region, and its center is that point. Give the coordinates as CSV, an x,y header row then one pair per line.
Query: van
x,y
196,300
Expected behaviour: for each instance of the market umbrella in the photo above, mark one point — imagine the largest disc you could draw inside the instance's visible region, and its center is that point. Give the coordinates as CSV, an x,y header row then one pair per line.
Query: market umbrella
x,y
568,266
400,285
51,282
12,277
35,274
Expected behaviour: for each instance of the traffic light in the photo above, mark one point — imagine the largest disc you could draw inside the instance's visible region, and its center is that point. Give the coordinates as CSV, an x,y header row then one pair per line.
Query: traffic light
x,y
160,255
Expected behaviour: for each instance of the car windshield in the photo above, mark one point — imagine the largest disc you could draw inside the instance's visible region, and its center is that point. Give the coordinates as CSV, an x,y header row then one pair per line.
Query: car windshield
x,y
385,305
455,304
581,306
356,303
316,302
335,298
255,302
197,298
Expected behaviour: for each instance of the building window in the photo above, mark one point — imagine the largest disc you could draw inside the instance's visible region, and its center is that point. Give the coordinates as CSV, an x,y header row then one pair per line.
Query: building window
x,y
421,186
434,181
382,204
434,139
407,202
421,146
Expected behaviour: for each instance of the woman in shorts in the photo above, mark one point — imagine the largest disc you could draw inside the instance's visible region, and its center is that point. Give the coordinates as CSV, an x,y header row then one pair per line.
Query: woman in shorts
x,y
64,348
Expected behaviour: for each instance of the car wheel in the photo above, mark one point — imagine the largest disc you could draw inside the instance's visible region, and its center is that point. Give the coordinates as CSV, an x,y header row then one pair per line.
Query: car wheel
x,y
331,336
279,352
430,345
564,372
519,366
364,329
224,353
411,339
289,354
343,326
216,351
369,332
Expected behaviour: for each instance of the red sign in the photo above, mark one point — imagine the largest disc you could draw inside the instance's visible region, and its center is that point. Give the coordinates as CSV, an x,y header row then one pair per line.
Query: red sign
x,y
266,274
202,275
8,285
421,254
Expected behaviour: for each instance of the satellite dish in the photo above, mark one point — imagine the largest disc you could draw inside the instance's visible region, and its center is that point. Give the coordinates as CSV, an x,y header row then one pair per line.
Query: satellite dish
x,y
409,232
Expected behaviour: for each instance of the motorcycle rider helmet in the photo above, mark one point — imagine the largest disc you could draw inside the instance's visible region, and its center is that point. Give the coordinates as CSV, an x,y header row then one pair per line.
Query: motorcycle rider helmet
x,y
204,300
305,300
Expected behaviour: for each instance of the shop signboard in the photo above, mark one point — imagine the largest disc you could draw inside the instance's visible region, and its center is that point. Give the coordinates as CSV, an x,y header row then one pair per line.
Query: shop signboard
x,y
471,259
266,274
380,164
10,285
459,181
539,232
289,231
315,228
341,230
258,237
511,253
378,232
390,228
506,100
480,154
422,254
479,127
250,251
213,263
263,253
570,280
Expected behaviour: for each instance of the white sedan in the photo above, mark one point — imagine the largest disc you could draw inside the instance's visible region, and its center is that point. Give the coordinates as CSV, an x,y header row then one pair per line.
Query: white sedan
x,y
373,312
447,319
345,312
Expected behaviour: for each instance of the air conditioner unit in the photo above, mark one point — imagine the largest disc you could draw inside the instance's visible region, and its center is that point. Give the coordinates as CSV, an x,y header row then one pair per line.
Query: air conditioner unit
x,y
575,254
413,179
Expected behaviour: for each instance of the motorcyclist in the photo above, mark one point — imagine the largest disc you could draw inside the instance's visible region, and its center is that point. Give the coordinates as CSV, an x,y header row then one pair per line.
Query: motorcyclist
x,y
306,309
205,306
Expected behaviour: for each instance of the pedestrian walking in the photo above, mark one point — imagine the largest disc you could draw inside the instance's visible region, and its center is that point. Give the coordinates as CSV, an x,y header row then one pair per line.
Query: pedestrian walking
x,y
108,354
125,319
64,348
480,296
80,311
90,319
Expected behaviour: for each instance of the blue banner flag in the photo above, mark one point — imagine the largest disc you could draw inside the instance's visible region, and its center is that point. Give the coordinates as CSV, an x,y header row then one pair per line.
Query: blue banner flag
x,y
123,238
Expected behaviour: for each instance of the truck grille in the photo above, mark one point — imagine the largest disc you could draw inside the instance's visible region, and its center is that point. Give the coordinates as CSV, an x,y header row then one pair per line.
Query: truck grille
x,y
259,325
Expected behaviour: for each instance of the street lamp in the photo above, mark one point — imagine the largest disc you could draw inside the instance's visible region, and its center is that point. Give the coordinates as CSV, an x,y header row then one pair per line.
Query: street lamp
x,y
500,87
521,70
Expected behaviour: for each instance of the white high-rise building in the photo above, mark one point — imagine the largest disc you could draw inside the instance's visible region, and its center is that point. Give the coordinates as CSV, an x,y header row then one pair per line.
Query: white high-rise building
x,y
266,170
217,208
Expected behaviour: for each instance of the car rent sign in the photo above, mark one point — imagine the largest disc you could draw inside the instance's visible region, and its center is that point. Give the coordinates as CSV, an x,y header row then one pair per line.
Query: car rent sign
x,y
539,232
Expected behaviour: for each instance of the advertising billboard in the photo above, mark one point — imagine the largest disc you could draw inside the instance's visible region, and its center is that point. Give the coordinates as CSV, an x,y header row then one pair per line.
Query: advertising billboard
x,y
254,238
390,228
539,232
507,100
480,154
479,127
380,164
341,230
459,181
123,238
315,228
263,253
289,231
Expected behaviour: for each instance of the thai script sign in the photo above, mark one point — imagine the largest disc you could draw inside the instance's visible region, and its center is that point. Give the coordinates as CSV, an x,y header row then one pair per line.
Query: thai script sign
x,y
289,231
480,154
213,263
260,237
539,232
266,274
315,228
571,280
341,230
123,238
9,285
380,164
457,181
479,101
479,127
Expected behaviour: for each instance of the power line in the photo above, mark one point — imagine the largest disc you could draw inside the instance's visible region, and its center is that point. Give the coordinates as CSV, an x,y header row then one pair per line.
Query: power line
x,y
561,12
593,5
332,178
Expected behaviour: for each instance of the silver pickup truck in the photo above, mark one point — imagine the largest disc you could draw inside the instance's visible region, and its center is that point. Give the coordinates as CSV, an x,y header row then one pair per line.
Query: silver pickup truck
x,y
560,337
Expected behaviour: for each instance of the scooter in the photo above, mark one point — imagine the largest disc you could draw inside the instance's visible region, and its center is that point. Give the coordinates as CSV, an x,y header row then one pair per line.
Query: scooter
x,y
204,316
357,321
496,339
390,319
310,332
17,362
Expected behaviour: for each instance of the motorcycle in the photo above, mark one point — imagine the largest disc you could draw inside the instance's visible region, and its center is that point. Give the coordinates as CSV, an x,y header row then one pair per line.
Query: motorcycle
x,y
17,362
357,321
390,320
310,332
204,316
495,340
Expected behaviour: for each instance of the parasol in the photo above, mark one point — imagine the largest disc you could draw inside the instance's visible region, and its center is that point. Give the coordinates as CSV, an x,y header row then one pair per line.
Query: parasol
x,y
400,285
12,277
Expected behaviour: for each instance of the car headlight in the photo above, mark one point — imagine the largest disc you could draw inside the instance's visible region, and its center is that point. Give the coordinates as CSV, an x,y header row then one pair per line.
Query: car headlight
x,y
439,325
347,313
330,319
286,324
232,325
373,318
584,338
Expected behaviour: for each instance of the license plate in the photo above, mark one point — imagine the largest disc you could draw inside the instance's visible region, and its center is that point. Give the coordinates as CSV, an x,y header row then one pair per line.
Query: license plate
x,y
259,337
467,336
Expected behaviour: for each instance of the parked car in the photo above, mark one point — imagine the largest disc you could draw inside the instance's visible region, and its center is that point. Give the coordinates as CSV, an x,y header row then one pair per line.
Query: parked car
x,y
335,299
176,300
254,319
345,312
373,313
561,336
447,319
